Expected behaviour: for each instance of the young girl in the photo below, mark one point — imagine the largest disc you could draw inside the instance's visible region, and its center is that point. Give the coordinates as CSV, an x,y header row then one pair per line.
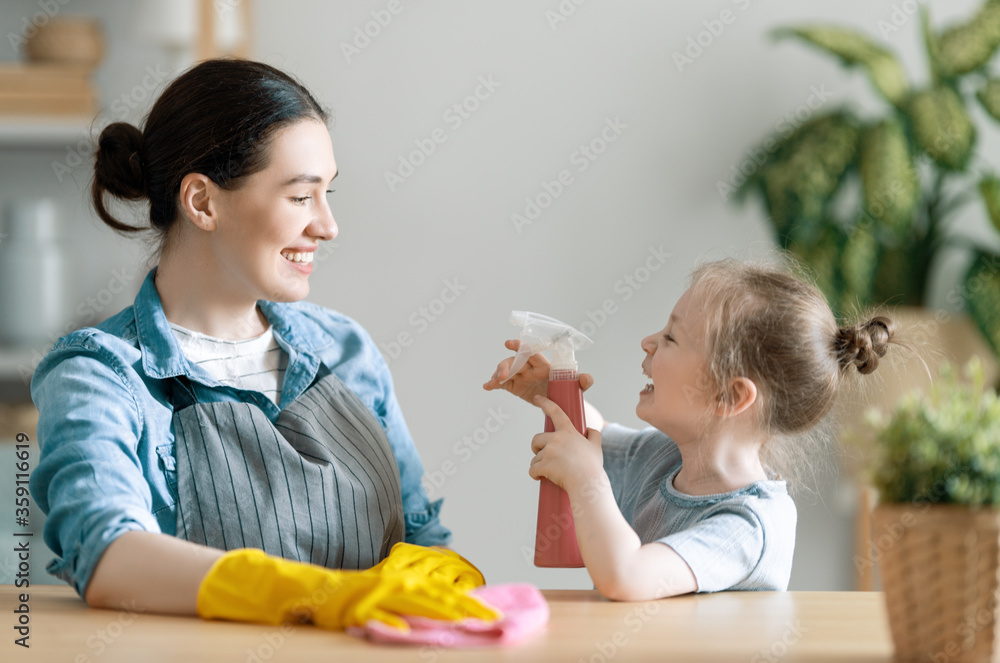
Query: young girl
x,y
750,357
220,447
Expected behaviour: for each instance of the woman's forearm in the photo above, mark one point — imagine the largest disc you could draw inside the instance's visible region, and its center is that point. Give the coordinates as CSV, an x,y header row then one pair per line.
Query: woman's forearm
x,y
150,572
621,567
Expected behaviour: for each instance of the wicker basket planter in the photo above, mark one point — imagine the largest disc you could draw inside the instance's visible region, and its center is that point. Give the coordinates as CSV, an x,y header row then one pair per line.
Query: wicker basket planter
x,y
940,567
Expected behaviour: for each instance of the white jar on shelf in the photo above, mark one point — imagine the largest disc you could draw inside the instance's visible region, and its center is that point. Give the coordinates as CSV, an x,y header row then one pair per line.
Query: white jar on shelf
x,y
32,283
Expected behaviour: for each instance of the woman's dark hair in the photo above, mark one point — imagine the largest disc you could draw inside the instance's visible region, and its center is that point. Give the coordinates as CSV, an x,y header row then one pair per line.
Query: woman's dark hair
x,y
216,119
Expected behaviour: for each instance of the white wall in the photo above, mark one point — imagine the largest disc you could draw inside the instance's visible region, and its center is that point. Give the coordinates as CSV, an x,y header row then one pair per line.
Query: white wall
x,y
654,188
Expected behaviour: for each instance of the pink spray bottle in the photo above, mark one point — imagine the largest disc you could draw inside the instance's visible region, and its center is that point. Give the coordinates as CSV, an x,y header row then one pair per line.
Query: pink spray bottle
x,y
555,533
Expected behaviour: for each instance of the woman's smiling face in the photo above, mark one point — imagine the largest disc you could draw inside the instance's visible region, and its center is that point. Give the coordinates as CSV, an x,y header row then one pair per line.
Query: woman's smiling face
x,y
270,227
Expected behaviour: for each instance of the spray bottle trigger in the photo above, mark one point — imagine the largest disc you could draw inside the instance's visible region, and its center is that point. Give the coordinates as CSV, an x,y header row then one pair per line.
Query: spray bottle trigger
x,y
527,348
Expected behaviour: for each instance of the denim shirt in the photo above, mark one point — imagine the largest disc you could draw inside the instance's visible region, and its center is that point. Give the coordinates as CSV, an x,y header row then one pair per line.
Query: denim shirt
x,y
107,456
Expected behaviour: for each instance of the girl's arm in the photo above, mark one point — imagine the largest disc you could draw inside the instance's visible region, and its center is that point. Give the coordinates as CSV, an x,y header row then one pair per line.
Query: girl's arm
x,y
146,571
593,416
621,567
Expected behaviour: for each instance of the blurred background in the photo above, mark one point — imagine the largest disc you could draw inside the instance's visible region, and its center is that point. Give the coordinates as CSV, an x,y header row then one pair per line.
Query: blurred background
x,y
570,157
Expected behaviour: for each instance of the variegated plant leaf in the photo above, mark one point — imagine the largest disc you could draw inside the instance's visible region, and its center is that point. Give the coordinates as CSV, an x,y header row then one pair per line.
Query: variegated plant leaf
x,y
941,126
823,255
982,292
803,175
967,46
897,277
989,187
890,183
989,96
853,49
857,265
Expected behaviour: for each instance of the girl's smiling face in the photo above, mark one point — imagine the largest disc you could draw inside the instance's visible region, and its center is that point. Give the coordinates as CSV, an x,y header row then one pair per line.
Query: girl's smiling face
x,y
678,398
270,227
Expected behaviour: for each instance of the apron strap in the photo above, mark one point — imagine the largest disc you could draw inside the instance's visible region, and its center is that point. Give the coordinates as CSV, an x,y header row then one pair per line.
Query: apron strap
x,y
180,392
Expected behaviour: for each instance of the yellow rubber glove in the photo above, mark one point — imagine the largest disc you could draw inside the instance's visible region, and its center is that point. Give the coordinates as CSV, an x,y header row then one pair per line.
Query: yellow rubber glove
x,y
435,563
249,585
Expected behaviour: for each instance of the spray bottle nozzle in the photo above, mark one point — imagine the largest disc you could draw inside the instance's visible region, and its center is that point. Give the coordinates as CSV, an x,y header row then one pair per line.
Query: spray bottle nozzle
x,y
540,333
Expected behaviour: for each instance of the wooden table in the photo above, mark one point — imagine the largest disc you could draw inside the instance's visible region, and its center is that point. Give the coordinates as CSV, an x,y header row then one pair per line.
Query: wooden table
x,y
755,627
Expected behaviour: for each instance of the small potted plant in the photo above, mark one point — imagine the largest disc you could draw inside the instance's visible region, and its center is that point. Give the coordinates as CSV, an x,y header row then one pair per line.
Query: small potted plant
x,y
936,466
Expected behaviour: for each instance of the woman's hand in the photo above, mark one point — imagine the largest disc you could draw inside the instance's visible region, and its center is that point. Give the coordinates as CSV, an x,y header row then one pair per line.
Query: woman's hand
x,y
533,378
564,456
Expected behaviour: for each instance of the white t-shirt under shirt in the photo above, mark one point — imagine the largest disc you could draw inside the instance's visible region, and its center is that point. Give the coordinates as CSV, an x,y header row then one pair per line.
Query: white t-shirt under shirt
x,y
254,363
742,539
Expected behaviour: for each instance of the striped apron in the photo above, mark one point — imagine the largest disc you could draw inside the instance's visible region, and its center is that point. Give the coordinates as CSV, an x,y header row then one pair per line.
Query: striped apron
x,y
319,485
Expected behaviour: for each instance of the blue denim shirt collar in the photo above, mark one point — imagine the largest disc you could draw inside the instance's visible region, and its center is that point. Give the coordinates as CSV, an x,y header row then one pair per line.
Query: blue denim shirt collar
x,y
161,354
162,357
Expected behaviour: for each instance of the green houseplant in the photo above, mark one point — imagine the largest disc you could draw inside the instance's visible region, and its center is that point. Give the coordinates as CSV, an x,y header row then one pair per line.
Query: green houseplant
x,y
936,465
942,446
867,201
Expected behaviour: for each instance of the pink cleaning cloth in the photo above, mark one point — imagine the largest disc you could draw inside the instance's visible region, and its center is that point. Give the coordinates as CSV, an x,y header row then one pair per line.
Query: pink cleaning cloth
x,y
524,609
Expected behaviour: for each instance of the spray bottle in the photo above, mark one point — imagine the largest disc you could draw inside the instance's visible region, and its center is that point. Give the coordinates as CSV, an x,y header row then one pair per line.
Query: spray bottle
x,y
555,533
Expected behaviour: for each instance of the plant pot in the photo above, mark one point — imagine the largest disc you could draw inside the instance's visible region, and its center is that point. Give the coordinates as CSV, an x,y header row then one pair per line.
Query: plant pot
x,y
935,337
940,567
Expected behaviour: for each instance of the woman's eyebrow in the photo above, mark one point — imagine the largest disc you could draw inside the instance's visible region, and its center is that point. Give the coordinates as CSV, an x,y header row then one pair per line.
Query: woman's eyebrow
x,y
307,178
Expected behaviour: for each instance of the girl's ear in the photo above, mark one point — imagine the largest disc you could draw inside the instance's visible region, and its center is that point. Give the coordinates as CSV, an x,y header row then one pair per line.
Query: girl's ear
x,y
196,201
741,394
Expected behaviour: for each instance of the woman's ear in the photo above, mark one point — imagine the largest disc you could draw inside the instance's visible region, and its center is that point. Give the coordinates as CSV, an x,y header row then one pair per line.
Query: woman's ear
x,y
197,201
741,394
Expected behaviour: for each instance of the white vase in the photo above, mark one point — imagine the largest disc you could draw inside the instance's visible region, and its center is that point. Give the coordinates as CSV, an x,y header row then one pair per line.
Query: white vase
x,y
32,287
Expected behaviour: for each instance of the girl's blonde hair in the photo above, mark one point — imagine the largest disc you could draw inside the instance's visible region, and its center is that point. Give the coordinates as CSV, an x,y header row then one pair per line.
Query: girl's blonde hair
x,y
769,325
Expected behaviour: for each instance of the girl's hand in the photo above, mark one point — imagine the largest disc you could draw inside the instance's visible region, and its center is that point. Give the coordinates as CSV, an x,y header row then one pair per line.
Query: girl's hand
x,y
533,378
563,456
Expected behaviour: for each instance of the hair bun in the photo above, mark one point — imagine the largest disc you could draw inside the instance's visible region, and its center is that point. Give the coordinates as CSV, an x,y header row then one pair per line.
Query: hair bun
x,y
119,162
863,345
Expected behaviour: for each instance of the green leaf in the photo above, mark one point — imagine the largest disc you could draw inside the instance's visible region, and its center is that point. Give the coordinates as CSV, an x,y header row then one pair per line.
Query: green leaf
x,y
941,126
989,96
858,264
823,256
891,187
982,293
942,446
897,276
989,187
967,46
803,175
854,49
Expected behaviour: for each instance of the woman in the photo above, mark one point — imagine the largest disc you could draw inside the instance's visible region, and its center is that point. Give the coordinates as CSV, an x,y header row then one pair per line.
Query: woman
x,y
214,413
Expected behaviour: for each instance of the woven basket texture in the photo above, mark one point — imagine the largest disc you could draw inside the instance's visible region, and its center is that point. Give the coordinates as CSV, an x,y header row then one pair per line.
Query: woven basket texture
x,y
939,566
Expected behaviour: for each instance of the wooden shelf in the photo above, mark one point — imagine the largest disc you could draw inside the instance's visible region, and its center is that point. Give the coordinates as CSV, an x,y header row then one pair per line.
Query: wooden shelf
x,y
43,132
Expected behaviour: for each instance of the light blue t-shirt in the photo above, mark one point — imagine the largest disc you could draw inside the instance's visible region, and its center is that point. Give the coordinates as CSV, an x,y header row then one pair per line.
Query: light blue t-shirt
x,y
107,450
741,540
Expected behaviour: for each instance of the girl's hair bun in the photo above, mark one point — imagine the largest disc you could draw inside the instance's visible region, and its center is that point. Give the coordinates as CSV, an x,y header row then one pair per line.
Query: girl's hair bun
x,y
119,162
864,344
